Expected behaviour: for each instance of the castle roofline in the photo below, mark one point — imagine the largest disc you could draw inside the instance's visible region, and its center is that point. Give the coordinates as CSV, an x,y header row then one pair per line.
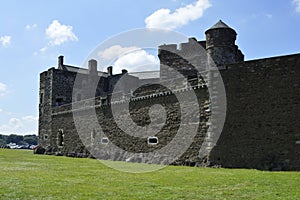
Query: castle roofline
x,y
219,25
75,69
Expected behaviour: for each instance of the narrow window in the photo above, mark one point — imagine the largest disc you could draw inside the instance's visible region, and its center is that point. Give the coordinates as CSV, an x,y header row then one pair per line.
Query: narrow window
x,y
41,98
93,136
60,138
103,101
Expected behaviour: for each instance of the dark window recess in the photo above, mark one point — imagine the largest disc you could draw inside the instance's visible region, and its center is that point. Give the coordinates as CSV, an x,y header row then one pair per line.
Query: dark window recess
x,y
152,140
42,98
104,140
103,101
46,137
58,101
60,138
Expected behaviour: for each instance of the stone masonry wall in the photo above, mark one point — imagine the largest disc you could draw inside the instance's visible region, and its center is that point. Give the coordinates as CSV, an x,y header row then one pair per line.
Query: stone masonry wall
x,y
262,125
62,118
261,130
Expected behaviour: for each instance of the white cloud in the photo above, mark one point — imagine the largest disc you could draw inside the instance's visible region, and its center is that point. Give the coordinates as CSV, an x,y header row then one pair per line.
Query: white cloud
x,y
59,33
3,89
116,51
30,26
30,118
5,40
43,49
297,3
15,123
21,126
131,58
163,18
137,61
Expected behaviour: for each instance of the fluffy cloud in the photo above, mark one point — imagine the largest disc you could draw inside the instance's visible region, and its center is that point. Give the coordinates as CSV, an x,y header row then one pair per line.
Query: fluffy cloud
x,y
116,51
131,58
5,40
3,89
59,33
163,18
30,26
137,61
13,125
30,118
43,49
23,126
297,3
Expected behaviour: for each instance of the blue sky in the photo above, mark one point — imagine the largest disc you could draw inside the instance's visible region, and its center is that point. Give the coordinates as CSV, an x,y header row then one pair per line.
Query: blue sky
x,y
34,33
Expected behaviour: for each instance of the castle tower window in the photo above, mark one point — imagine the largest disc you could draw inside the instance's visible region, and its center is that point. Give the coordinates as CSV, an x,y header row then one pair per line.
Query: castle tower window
x,y
152,140
59,101
104,140
41,98
60,138
103,101
93,136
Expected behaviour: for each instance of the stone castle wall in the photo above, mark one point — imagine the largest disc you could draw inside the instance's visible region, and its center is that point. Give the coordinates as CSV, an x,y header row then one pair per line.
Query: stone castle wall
x,y
261,128
62,118
262,124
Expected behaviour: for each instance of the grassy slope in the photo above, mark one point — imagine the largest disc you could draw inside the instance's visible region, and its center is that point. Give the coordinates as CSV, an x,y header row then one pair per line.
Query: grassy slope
x,y
27,176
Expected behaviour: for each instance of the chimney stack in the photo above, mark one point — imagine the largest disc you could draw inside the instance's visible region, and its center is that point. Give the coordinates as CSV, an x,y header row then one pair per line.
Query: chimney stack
x,y
92,67
109,71
124,71
60,62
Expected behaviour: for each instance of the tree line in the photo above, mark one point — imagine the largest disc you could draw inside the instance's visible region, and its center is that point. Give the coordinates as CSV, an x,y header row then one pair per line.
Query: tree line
x,y
18,139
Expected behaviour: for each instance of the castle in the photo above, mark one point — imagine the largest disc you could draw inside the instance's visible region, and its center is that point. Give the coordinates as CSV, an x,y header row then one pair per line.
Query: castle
x,y
261,129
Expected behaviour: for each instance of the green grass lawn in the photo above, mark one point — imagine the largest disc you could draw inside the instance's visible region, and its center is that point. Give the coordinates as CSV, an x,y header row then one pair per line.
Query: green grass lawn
x,y
24,175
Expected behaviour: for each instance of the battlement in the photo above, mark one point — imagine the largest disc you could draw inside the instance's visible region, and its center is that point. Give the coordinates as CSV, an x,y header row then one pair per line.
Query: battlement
x,y
178,48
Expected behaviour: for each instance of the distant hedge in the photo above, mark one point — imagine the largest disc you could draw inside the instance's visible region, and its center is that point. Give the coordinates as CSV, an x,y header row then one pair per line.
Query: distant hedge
x,y
18,139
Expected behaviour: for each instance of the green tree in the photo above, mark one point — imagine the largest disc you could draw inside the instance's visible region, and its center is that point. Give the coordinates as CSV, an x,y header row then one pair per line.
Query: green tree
x,y
2,142
14,139
30,139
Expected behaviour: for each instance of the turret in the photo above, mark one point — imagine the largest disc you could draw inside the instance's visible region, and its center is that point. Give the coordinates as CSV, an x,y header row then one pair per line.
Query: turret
x,y
220,45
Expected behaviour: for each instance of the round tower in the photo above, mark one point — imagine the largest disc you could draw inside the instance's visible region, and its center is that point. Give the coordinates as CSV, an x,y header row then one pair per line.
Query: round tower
x,y
220,45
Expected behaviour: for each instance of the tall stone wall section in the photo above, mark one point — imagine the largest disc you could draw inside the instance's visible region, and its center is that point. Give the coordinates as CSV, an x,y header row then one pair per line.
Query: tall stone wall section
x,y
45,108
262,124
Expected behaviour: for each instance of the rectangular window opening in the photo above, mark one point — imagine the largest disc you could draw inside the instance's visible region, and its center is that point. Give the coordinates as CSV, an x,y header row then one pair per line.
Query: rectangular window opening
x,y
152,140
